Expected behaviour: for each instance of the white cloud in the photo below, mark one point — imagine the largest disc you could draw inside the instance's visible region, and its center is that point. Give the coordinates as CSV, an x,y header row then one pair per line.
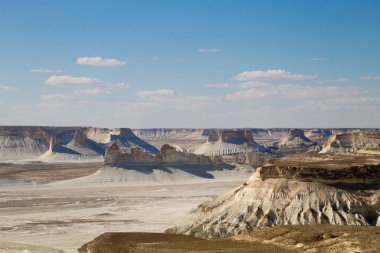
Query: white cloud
x,y
245,85
247,94
78,94
160,94
271,74
99,61
316,59
291,91
208,50
341,79
339,103
4,89
71,81
155,58
57,96
219,85
253,84
120,86
367,78
47,71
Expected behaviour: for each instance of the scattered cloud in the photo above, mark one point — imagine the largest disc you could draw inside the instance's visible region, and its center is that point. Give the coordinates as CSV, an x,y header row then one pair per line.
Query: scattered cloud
x,y
65,80
4,89
57,96
220,85
340,103
208,50
272,74
47,71
245,85
99,61
247,94
158,95
80,93
169,98
368,78
341,79
292,91
253,84
316,59
155,58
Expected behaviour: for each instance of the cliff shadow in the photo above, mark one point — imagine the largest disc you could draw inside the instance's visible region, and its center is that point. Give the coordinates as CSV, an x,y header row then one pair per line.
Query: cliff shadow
x,y
199,170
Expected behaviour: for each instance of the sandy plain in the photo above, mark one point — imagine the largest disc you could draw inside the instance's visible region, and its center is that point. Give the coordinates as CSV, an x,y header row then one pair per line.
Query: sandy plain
x,y
43,209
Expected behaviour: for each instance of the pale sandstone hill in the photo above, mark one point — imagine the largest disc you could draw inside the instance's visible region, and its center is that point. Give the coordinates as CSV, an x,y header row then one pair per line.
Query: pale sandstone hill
x,y
353,142
296,138
64,143
269,198
229,142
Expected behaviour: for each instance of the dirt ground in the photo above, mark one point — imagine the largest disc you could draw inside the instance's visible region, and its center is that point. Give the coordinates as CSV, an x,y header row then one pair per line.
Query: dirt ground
x,y
280,239
46,172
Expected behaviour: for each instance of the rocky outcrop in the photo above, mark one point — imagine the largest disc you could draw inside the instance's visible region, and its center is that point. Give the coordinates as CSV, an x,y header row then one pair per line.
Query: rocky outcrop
x,y
353,142
350,175
295,138
79,138
168,155
64,143
232,136
229,142
318,134
277,202
117,158
336,192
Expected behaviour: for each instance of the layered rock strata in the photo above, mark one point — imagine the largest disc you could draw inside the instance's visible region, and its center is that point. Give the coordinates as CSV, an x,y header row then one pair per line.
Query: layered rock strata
x,y
168,154
353,142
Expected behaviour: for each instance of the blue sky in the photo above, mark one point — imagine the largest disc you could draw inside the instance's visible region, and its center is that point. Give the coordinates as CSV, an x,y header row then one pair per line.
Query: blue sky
x,y
145,64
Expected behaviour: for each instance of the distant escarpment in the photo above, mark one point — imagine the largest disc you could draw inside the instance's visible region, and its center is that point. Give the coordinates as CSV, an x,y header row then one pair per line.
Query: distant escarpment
x,y
353,142
229,142
291,195
297,142
64,143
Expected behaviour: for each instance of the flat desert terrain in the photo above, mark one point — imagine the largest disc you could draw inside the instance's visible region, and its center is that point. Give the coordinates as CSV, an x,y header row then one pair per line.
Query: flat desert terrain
x,y
61,214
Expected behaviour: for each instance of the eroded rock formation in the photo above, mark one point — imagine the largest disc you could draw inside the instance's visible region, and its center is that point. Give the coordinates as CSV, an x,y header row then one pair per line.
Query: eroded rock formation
x,y
168,154
353,142
278,194
64,143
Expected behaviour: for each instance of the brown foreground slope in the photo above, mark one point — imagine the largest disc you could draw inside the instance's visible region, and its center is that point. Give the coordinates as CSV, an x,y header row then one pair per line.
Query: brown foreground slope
x,y
316,238
160,243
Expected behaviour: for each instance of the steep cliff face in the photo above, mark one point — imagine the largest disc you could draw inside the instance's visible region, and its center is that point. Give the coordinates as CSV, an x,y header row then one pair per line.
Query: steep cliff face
x,y
167,155
115,157
64,143
229,142
349,175
170,154
183,137
318,135
231,136
353,142
296,138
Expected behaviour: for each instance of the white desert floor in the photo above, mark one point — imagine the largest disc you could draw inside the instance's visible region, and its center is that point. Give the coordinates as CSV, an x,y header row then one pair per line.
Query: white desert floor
x,y
60,217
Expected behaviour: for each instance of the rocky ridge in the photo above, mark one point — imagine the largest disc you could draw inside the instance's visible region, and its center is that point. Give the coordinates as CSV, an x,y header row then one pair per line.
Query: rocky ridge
x,y
291,195
352,142
169,154
64,143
